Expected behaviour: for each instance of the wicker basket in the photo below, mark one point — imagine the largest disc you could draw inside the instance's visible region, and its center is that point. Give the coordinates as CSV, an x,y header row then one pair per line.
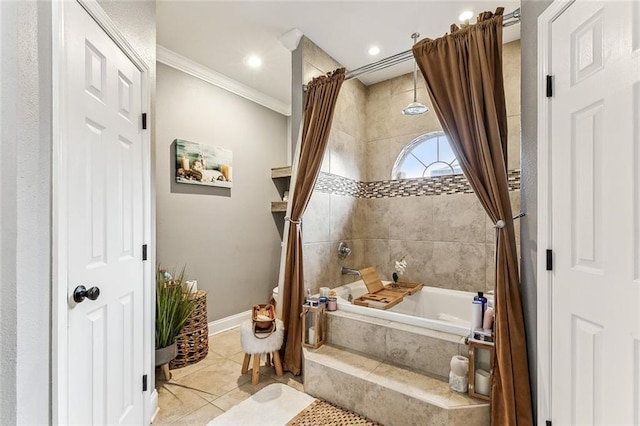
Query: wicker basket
x,y
193,341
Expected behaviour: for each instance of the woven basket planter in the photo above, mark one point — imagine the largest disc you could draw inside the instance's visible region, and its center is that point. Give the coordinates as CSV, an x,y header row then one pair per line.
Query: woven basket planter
x,y
193,341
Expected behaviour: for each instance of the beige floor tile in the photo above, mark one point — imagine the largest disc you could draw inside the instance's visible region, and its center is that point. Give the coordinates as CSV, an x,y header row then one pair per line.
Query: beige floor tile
x,y
200,417
210,359
175,402
216,379
227,343
237,357
236,396
290,380
199,392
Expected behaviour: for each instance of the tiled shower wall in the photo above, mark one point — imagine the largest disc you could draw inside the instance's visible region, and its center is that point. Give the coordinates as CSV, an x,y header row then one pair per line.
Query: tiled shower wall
x,y
447,239
330,217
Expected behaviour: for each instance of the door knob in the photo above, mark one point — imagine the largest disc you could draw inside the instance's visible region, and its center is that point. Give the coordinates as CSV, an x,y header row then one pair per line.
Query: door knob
x,y
81,292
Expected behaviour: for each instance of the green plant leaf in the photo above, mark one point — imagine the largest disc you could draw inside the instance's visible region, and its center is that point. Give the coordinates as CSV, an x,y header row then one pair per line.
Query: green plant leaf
x,y
173,308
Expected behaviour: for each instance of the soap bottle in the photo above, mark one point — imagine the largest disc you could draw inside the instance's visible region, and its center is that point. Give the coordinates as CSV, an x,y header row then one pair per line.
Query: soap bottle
x,y
487,322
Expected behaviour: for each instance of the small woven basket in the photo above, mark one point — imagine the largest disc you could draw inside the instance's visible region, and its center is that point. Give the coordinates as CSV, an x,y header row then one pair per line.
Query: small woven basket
x,y
193,341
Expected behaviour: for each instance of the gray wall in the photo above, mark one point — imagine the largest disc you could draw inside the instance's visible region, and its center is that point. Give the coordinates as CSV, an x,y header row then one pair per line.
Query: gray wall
x,y
227,238
531,9
25,198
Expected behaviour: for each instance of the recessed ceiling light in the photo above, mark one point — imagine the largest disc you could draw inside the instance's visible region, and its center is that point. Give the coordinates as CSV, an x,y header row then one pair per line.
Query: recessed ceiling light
x,y
465,16
374,50
253,61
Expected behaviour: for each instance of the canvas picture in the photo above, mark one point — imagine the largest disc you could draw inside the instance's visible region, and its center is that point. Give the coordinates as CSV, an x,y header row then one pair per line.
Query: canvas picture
x,y
201,164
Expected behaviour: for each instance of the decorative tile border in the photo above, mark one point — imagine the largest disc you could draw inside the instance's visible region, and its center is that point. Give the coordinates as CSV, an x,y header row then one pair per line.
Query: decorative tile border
x,y
339,185
441,185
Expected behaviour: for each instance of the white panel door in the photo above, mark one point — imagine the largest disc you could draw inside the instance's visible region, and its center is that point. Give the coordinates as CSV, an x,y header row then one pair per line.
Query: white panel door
x,y
595,173
102,95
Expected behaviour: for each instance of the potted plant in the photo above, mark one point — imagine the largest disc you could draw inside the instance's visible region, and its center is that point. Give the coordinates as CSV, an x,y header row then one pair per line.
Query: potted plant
x,y
173,308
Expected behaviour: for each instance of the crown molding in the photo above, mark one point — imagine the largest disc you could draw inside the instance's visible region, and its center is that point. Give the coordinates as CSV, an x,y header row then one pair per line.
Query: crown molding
x,y
193,68
291,39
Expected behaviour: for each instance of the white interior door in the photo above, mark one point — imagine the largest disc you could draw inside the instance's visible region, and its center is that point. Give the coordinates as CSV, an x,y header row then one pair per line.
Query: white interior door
x,y
104,192
595,170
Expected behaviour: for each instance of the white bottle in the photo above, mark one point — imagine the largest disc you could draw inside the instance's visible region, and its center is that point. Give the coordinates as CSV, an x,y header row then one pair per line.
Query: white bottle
x,y
476,315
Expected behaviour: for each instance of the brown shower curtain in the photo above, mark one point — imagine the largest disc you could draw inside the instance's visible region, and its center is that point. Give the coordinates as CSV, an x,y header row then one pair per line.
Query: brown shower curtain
x,y
322,94
463,72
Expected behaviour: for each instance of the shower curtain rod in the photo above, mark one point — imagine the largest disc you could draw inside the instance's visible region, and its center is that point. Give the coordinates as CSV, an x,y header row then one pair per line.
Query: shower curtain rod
x,y
512,18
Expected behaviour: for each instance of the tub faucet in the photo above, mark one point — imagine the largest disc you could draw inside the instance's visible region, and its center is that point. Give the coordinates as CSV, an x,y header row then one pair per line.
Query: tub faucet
x,y
349,271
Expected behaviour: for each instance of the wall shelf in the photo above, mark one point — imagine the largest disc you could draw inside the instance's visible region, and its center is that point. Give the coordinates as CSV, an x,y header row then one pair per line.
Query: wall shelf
x,y
278,206
280,172
281,179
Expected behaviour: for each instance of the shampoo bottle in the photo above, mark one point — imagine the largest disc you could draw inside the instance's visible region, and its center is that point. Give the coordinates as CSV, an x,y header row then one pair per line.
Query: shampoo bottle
x,y
482,300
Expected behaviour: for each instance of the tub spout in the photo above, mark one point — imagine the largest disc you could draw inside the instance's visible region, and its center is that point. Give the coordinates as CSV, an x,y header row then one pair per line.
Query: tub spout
x,y
349,271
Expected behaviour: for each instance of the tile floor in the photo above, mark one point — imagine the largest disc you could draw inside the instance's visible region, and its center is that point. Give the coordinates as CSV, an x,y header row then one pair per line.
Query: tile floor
x,y
199,392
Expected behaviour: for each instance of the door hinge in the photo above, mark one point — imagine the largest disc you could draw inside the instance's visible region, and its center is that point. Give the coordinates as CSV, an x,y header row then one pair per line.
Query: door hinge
x,y
549,260
144,121
144,383
548,422
144,252
549,86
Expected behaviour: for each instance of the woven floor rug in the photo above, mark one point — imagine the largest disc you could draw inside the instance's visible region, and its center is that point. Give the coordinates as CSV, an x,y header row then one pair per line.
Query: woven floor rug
x,y
323,413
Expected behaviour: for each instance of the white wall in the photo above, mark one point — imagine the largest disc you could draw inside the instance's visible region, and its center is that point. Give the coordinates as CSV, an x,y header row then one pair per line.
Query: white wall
x,y
227,238
25,198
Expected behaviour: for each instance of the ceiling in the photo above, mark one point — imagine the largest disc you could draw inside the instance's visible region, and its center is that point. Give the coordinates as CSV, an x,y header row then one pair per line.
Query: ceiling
x,y
220,34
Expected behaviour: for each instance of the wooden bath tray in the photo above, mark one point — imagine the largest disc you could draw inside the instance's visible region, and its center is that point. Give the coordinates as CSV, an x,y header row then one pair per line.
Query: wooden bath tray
x,y
381,296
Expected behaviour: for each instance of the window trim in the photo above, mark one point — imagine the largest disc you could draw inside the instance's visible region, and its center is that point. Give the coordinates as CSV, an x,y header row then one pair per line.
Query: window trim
x,y
408,148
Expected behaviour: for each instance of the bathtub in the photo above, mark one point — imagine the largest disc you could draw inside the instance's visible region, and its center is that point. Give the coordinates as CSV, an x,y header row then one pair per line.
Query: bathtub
x,y
433,308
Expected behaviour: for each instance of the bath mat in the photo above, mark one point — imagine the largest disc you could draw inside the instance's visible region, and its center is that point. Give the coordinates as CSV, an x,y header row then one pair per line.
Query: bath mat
x,y
274,405
326,414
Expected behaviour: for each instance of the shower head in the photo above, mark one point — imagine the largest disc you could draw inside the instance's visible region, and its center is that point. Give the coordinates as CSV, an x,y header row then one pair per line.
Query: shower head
x,y
415,107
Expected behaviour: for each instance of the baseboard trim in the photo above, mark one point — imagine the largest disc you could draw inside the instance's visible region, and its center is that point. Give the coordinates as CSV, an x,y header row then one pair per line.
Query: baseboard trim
x,y
227,323
155,409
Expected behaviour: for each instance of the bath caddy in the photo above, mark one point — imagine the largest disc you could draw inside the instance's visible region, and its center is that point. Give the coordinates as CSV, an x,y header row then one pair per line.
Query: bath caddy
x,y
380,296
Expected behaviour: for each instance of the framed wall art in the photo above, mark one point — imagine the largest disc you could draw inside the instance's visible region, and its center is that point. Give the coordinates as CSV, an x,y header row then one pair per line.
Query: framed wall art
x,y
200,164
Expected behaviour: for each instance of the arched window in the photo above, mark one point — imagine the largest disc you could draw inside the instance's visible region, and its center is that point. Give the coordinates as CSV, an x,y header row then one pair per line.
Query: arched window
x,y
428,155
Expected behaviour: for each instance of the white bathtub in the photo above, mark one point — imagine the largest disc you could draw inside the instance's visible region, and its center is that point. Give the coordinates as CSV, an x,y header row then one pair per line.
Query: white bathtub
x,y
434,308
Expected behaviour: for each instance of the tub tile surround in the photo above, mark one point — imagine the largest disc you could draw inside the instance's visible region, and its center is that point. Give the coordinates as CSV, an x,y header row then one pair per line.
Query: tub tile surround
x,y
423,350
376,214
415,187
448,240
460,264
334,211
386,393
511,71
467,225
362,335
316,228
317,265
415,213
346,155
342,218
